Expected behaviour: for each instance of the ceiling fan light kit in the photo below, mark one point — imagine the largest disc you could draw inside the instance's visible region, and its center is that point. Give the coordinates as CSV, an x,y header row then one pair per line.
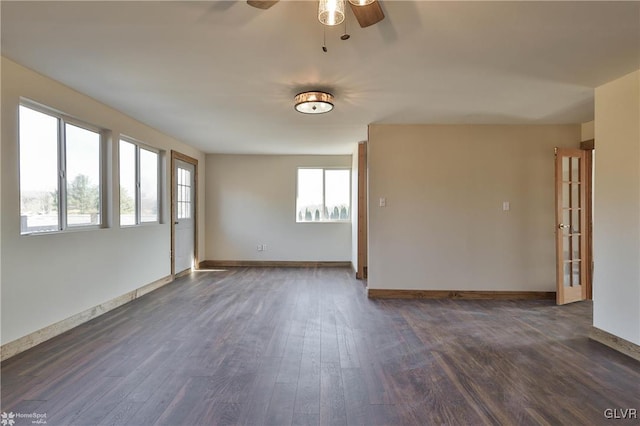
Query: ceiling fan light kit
x,y
314,102
331,12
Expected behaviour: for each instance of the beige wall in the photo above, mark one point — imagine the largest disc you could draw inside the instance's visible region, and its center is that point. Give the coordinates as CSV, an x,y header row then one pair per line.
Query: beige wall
x,y
616,290
443,227
47,278
587,130
251,200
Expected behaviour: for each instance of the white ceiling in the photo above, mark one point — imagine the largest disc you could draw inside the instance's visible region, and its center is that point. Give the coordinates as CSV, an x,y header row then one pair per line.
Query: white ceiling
x,y
221,76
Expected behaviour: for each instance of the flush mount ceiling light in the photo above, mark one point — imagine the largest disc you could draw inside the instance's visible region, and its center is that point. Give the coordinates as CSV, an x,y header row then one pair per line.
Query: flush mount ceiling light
x,y
314,102
361,2
331,12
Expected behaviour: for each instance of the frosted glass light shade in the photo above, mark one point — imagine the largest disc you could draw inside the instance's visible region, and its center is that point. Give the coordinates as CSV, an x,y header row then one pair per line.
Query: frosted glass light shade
x,y
331,12
314,102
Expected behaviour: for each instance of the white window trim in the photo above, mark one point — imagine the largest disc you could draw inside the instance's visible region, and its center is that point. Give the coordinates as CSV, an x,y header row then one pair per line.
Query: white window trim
x,y
62,179
324,169
138,210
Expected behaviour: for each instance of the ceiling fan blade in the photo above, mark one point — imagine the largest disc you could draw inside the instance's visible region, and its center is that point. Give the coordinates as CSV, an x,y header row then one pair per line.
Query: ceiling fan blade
x,y
369,14
262,4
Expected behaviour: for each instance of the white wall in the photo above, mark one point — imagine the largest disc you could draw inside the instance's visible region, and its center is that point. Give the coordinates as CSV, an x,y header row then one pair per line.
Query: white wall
x,y
616,288
251,200
47,278
443,227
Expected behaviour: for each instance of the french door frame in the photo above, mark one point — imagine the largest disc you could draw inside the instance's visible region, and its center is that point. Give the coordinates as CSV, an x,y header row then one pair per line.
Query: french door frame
x,y
566,210
361,272
588,147
175,155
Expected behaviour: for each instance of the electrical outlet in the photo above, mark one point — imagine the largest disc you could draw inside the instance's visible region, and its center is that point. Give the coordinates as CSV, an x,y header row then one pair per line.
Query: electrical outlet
x,y
264,247
259,247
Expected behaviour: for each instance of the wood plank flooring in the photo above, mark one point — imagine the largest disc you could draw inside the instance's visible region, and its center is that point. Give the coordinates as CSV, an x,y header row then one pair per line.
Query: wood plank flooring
x,y
275,346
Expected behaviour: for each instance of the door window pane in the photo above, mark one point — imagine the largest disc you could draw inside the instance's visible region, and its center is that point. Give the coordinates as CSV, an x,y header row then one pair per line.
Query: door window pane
x,y
575,221
39,197
567,274
566,190
576,277
566,176
183,193
575,169
575,246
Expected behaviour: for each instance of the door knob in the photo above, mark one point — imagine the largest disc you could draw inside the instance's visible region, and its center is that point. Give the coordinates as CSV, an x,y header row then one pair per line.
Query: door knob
x,y
563,226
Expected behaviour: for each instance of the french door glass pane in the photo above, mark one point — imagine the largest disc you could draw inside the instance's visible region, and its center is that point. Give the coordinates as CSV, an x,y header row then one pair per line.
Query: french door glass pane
x,y
576,280
39,197
576,247
567,274
566,176
575,169
127,183
566,191
575,221
148,186
575,195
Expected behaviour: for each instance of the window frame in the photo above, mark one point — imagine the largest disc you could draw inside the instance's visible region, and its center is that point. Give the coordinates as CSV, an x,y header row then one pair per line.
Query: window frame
x,y
324,195
61,166
138,145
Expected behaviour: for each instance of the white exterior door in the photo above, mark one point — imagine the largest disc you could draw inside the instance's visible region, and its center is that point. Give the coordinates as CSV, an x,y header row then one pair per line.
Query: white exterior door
x,y
184,216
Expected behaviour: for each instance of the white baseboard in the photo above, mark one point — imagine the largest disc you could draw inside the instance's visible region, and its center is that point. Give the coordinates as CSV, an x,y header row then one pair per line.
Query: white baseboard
x,y
32,339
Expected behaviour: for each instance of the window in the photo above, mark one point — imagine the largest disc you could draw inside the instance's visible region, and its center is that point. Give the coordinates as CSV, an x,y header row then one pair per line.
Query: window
x,y
324,195
60,172
139,184
183,195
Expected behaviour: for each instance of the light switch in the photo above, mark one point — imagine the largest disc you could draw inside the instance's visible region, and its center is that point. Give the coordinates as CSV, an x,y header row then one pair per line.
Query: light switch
x,y
506,206
383,202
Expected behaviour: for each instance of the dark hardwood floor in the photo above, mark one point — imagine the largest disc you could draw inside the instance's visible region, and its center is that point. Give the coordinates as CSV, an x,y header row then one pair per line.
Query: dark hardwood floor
x,y
275,346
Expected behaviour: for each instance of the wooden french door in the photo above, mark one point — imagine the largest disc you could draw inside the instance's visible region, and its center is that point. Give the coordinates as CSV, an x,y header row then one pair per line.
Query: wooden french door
x,y
571,229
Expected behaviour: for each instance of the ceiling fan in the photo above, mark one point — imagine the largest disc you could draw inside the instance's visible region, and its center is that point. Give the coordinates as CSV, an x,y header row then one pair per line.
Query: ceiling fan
x,y
367,12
